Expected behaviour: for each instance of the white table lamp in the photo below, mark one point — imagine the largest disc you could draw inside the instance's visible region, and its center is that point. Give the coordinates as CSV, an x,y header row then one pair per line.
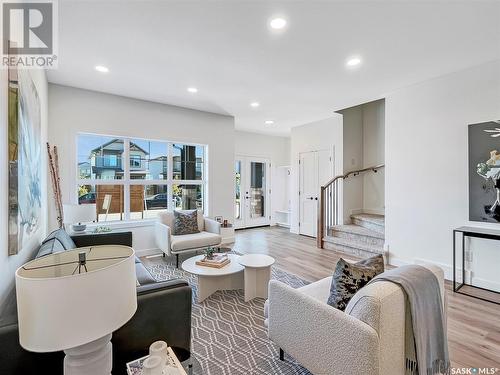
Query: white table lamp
x,y
73,301
76,214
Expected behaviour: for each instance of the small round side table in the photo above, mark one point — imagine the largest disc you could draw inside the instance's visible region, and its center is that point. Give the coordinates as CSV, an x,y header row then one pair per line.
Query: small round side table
x,y
257,274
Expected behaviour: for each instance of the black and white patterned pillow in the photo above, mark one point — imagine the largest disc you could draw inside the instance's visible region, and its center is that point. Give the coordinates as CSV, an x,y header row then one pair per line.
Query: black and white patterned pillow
x,y
185,222
348,278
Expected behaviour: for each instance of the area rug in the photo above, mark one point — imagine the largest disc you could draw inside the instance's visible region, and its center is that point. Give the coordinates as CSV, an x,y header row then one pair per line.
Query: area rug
x,y
229,336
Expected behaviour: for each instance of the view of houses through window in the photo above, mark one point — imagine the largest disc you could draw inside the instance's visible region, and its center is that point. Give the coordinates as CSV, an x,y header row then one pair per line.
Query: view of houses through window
x,y
130,179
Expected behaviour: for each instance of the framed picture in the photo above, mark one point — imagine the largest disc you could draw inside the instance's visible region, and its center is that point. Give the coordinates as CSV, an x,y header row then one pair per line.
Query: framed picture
x,y
219,219
484,172
25,165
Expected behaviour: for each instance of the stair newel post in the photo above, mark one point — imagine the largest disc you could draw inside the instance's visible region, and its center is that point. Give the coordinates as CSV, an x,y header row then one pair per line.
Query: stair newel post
x,y
321,218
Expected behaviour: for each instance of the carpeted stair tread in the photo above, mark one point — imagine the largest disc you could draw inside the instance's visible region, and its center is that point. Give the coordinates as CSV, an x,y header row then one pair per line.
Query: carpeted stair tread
x,y
349,243
358,230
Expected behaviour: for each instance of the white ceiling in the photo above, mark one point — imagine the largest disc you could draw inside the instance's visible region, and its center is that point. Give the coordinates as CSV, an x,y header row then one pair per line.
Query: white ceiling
x,y
156,49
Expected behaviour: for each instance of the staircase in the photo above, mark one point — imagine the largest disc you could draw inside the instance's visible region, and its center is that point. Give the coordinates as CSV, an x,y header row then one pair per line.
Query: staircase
x,y
363,238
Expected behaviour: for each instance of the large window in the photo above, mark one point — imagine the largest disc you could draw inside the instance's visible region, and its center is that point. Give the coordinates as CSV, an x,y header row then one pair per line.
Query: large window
x,y
132,179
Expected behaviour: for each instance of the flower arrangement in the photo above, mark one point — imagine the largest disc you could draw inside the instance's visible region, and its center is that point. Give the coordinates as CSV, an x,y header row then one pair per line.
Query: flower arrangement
x,y
209,252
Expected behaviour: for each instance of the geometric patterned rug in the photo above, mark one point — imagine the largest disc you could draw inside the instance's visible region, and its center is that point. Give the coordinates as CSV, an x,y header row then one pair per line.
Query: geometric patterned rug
x,y
228,334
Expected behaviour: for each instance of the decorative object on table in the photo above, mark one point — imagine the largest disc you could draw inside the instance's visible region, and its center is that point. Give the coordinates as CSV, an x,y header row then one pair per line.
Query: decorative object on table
x,y
153,365
209,252
24,160
102,229
54,287
218,219
53,158
484,172
172,365
77,214
216,261
225,223
160,349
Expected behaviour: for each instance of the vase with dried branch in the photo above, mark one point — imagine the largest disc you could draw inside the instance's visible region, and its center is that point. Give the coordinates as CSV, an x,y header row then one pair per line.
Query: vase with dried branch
x,y
56,186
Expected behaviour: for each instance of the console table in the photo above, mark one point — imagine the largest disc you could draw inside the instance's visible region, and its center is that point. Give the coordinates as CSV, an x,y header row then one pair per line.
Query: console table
x,y
472,232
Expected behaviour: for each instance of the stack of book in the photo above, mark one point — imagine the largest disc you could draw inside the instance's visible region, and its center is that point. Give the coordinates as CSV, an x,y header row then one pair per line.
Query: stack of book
x,y
217,261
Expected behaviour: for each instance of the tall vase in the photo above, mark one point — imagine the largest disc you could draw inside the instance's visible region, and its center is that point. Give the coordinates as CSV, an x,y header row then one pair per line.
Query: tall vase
x,y
56,186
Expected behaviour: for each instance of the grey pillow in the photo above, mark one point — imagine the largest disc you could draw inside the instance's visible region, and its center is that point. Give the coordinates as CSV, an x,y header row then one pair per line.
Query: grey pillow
x,y
57,241
185,222
348,278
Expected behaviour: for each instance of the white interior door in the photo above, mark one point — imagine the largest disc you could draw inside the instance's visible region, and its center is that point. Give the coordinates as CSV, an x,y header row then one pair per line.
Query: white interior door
x,y
315,169
252,199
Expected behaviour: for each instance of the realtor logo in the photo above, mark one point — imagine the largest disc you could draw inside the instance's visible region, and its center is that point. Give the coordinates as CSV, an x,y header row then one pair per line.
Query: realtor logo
x,y
29,34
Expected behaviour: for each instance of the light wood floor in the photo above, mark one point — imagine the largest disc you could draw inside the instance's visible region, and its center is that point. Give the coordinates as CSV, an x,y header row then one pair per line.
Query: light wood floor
x,y
473,325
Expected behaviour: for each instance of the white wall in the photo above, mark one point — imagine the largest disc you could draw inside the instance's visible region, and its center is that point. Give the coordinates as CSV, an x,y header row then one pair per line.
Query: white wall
x,y
427,164
276,150
320,135
352,197
374,154
364,145
74,110
9,264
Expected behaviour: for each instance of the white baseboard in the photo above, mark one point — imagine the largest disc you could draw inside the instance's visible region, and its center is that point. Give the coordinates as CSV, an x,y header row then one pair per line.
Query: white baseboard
x,y
374,211
148,252
486,284
371,211
447,269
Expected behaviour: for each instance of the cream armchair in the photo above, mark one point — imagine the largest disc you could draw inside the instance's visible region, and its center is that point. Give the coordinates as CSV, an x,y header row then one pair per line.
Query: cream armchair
x,y
368,338
209,235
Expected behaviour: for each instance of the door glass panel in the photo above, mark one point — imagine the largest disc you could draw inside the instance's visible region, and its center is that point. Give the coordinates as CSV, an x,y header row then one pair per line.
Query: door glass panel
x,y
257,189
237,200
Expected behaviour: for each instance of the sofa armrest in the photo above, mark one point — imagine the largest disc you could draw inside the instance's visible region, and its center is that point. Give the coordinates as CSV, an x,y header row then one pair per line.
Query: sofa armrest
x,y
96,239
163,313
212,226
323,339
162,237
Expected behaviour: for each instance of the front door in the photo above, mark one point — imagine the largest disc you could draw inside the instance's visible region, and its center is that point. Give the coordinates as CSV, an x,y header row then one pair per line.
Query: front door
x,y
315,169
252,203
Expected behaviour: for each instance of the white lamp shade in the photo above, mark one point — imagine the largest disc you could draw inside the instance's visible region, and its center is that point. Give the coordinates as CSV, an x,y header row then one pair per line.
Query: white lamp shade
x,y
79,213
59,308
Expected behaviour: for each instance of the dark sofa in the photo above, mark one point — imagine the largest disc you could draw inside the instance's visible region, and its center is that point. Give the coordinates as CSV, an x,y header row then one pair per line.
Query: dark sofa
x,y
163,313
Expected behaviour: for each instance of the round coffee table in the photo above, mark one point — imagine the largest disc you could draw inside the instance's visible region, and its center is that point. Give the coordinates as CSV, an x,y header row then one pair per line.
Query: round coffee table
x,y
257,274
210,280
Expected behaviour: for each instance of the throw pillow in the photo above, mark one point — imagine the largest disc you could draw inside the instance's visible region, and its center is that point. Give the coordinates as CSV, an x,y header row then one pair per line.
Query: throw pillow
x,y
348,278
185,222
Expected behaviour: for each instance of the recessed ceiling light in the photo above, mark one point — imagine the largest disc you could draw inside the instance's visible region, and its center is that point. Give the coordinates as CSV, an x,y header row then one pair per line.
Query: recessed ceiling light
x,y
278,23
269,122
353,61
254,104
192,90
101,68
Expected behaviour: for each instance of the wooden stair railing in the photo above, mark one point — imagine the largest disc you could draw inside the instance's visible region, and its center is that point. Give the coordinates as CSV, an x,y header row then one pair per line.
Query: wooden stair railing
x,y
328,208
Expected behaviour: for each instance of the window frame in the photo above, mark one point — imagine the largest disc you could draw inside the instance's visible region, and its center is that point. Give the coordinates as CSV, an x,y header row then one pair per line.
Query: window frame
x,y
126,181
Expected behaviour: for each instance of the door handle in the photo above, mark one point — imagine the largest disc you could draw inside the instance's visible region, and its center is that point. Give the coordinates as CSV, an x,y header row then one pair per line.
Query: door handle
x,y
316,198
311,198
